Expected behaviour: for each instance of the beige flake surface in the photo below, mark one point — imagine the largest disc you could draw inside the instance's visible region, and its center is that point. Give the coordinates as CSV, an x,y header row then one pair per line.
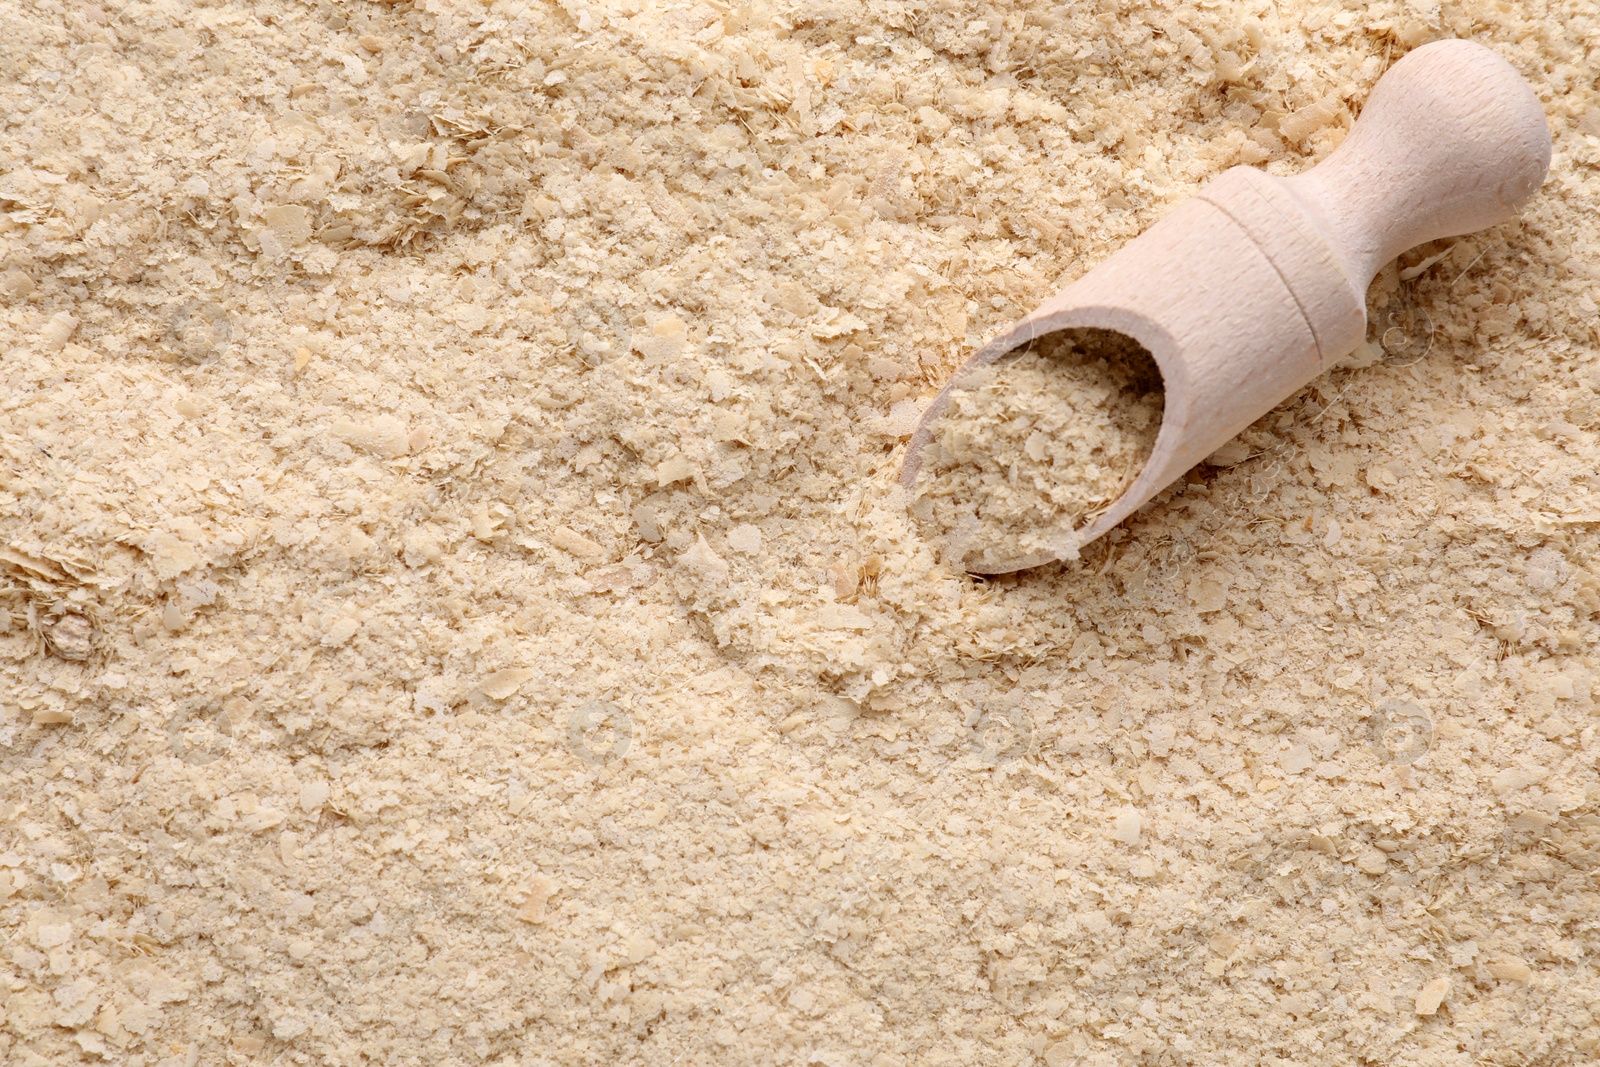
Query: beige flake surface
x,y
455,605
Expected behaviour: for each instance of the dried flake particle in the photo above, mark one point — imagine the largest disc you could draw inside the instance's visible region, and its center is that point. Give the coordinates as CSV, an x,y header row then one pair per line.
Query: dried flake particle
x,y
1161,736
1209,594
636,948
261,820
236,711
71,636
341,631
1231,454
1513,778
385,436
1127,825
745,539
535,903
665,341
290,223
77,999
503,683
1533,820
1296,759
1309,119
1224,944
730,427
1431,995
1372,861
422,545
621,577
571,541
900,420
173,555
32,564
313,795
58,331
843,617
1030,449
676,469
52,935
16,284
1510,969
701,559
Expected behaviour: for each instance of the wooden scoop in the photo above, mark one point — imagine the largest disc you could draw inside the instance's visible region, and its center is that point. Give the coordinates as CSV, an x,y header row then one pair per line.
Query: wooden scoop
x,y
1258,284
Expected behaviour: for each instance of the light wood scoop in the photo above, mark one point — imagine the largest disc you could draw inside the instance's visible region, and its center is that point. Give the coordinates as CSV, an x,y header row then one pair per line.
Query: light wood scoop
x,y
1255,286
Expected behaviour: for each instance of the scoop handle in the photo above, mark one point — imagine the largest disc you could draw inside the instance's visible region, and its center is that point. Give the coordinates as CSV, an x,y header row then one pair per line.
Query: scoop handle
x,y
1451,140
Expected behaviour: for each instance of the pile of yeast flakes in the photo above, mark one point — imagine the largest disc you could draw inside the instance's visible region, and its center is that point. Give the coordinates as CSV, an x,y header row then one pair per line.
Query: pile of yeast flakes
x,y
1033,448
456,607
